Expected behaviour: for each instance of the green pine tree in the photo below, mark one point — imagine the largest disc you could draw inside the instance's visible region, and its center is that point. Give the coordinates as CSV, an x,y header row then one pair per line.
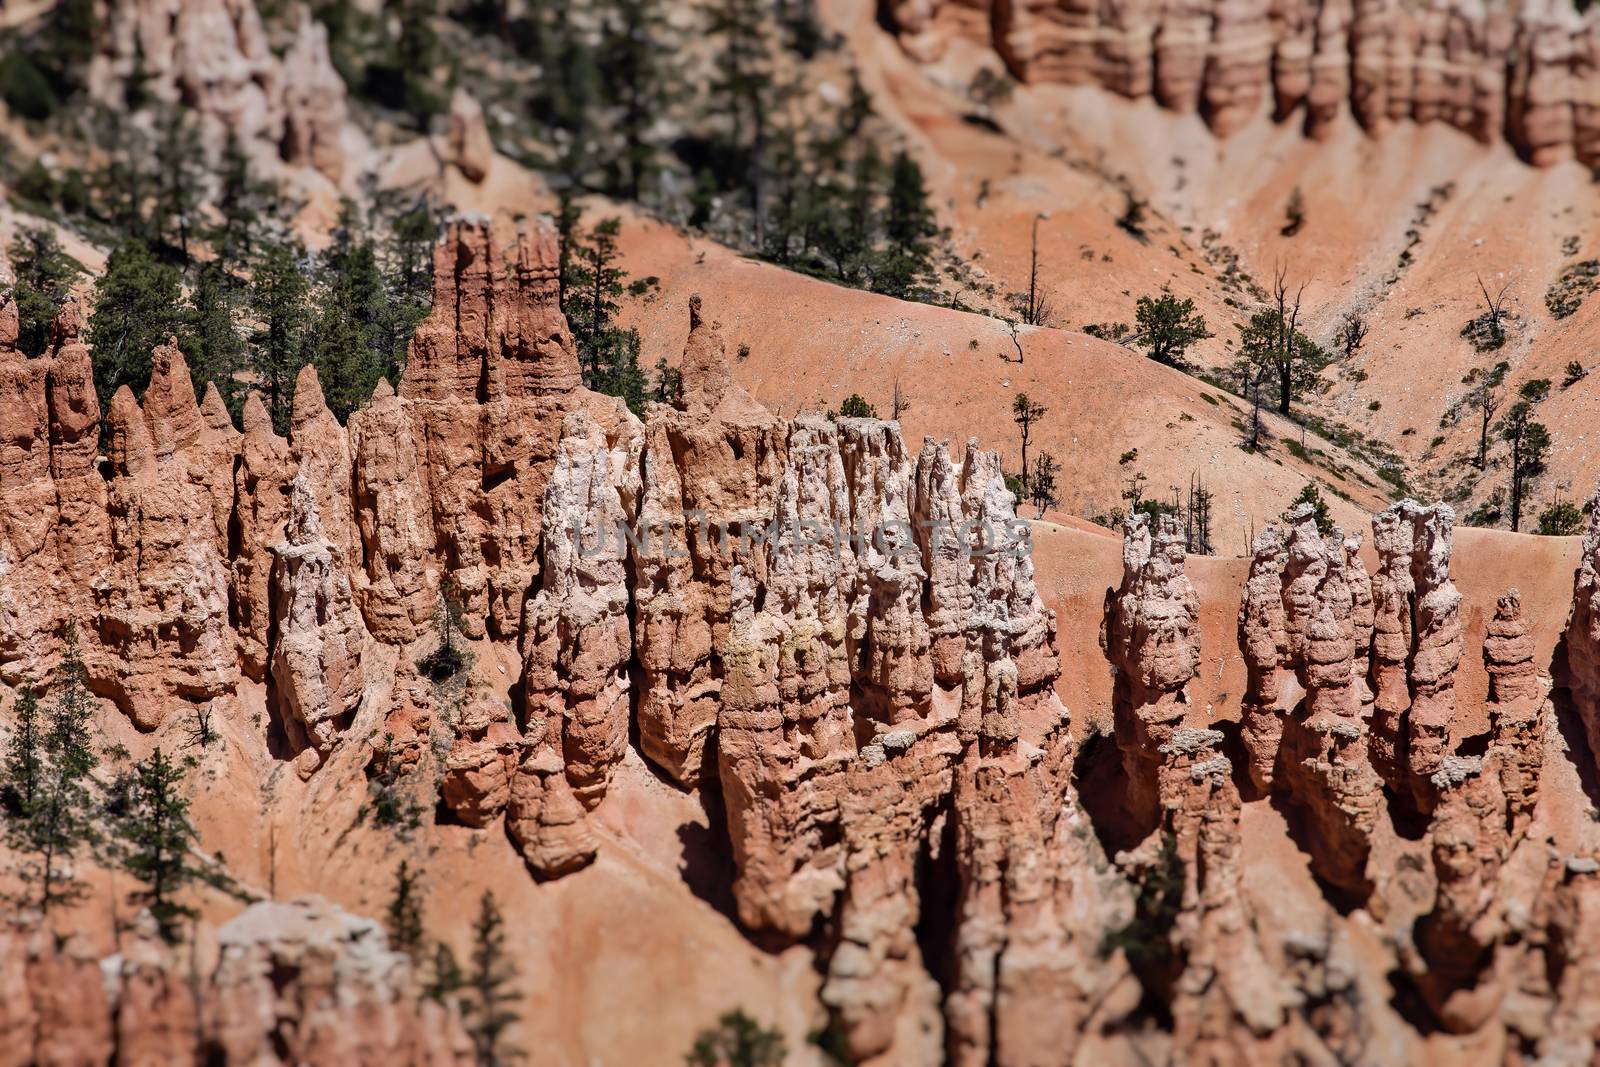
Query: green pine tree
x,y
595,283
405,912
446,980
737,1041
179,173
155,838
243,205
23,768
490,995
215,350
44,277
279,304
905,266
138,305
638,49
54,827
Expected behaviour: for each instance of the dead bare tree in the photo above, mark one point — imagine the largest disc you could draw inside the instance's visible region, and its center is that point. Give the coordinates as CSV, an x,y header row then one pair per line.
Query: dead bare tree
x,y
900,404
1352,332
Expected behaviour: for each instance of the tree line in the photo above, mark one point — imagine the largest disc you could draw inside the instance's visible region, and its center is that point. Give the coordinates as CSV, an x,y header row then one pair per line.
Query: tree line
x,y
59,809
704,114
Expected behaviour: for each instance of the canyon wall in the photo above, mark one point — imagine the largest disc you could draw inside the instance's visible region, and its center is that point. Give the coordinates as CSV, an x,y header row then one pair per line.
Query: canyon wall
x,y
1528,74
838,640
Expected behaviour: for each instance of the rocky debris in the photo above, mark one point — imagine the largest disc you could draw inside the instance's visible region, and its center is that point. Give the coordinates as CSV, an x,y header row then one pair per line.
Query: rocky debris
x,y
317,656
1152,638
1525,74
215,57
467,136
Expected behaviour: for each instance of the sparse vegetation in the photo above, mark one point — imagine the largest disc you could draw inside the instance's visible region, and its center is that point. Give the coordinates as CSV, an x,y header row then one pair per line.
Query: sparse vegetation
x,y
1529,442
1167,327
50,789
1294,214
1146,938
451,657
1562,518
1310,494
737,1041
1131,221
1486,331
854,407
153,839
44,276
1576,282
1025,413
1486,396
404,920
489,987
1352,334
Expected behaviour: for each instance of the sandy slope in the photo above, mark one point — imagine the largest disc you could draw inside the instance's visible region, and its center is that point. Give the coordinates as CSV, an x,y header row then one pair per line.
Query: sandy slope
x,y
1071,153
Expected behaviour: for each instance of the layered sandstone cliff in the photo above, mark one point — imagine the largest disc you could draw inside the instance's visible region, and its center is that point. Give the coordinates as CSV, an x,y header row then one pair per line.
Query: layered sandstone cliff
x,y
836,639
1523,73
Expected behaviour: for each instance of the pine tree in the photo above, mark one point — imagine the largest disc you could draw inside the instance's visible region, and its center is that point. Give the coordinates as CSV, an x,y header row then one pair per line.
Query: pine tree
x,y
355,314
1310,494
405,912
607,354
138,305
905,266
23,767
243,204
1025,412
637,49
739,90
447,979
154,839
489,986
178,177
1167,327
211,341
278,302
49,832
1530,445
737,1041
71,32
44,277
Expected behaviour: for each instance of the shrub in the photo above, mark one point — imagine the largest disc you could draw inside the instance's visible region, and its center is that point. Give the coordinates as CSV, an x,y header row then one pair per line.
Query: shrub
x,y
1311,495
1562,518
737,1041
854,407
